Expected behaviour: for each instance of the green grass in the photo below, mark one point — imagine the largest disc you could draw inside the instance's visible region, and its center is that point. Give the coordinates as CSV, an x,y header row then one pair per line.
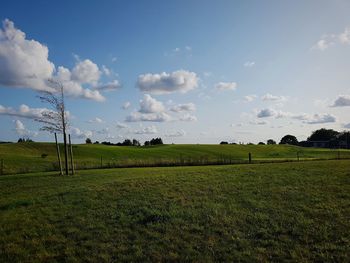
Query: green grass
x,y
26,157
296,212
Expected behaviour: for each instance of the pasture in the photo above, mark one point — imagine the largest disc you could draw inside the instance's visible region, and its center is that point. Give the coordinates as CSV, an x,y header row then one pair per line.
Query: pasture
x,y
38,157
295,212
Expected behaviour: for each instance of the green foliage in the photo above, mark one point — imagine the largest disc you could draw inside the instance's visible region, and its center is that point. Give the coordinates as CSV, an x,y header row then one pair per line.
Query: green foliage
x,y
295,212
323,135
289,139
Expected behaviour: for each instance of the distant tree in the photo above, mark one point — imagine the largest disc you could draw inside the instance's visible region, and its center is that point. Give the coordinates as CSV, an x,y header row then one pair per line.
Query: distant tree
x,y
261,143
25,140
156,141
323,135
289,139
135,142
147,143
223,142
96,142
127,142
271,142
55,119
21,140
88,141
250,143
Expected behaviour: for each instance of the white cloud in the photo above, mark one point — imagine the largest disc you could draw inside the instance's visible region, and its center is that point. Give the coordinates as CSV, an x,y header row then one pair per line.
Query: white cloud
x,y
126,105
103,131
178,81
347,125
23,111
22,131
147,130
183,107
321,118
342,101
77,133
270,97
109,86
152,117
250,98
114,59
120,125
188,117
226,86
106,70
23,63
179,133
96,120
328,40
86,71
150,105
249,64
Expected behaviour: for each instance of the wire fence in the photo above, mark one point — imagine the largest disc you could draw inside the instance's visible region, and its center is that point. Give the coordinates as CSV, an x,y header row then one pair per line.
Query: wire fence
x,y
15,167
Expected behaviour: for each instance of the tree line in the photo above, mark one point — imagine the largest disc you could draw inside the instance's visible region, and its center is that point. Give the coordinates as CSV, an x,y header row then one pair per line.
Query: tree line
x,y
128,142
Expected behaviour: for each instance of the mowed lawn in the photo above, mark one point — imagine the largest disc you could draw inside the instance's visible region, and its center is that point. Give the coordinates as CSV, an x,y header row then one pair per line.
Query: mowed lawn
x,y
296,212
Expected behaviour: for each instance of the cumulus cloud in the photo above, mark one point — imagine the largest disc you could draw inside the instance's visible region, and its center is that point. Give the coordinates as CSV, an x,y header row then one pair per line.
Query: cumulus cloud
x,y
183,107
250,98
147,130
226,86
22,131
164,83
249,64
342,101
23,63
188,117
96,120
150,105
126,105
264,113
321,118
109,86
270,97
179,133
23,111
152,117
77,133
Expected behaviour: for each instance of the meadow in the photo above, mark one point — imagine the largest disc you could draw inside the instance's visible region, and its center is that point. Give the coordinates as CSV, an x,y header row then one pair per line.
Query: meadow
x,y
271,212
38,157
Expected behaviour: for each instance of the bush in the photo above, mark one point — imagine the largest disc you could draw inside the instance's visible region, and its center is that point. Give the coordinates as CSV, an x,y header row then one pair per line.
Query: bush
x,y
88,141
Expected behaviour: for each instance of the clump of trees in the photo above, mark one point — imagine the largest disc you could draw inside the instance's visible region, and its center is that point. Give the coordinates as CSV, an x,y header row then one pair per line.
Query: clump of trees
x,y
128,142
154,141
25,140
289,139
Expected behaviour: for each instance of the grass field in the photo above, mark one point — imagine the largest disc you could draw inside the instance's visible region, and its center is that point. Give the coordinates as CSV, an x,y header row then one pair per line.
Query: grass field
x,y
295,212
26,157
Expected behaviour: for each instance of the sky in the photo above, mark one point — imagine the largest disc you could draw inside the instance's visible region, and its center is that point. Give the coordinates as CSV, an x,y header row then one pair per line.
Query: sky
x,y
186,71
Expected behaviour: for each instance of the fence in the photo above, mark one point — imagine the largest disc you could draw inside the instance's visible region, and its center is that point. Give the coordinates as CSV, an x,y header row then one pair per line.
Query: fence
x,y
102,163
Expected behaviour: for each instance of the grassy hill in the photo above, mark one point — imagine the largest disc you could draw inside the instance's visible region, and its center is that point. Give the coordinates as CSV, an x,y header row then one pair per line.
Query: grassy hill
x,y
281,212
27,157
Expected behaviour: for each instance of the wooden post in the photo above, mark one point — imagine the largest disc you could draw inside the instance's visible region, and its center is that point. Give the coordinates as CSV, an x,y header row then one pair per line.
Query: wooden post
x,y
298,156
58,155
250,157
2,167
71,155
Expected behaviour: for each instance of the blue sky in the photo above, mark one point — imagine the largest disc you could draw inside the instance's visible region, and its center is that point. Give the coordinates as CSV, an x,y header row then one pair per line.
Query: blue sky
x,y
190,71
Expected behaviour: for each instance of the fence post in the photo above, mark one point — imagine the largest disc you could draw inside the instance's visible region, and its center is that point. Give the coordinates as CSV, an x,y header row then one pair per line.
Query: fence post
x,y
250,157
58,155
71,154
2,167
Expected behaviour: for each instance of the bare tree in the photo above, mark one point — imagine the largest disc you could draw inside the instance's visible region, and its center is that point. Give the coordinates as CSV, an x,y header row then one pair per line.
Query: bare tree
x,y
55,119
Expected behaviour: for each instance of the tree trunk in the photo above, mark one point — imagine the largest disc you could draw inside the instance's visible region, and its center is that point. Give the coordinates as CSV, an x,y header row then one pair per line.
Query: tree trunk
x,y
58,155
71,155
65,152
